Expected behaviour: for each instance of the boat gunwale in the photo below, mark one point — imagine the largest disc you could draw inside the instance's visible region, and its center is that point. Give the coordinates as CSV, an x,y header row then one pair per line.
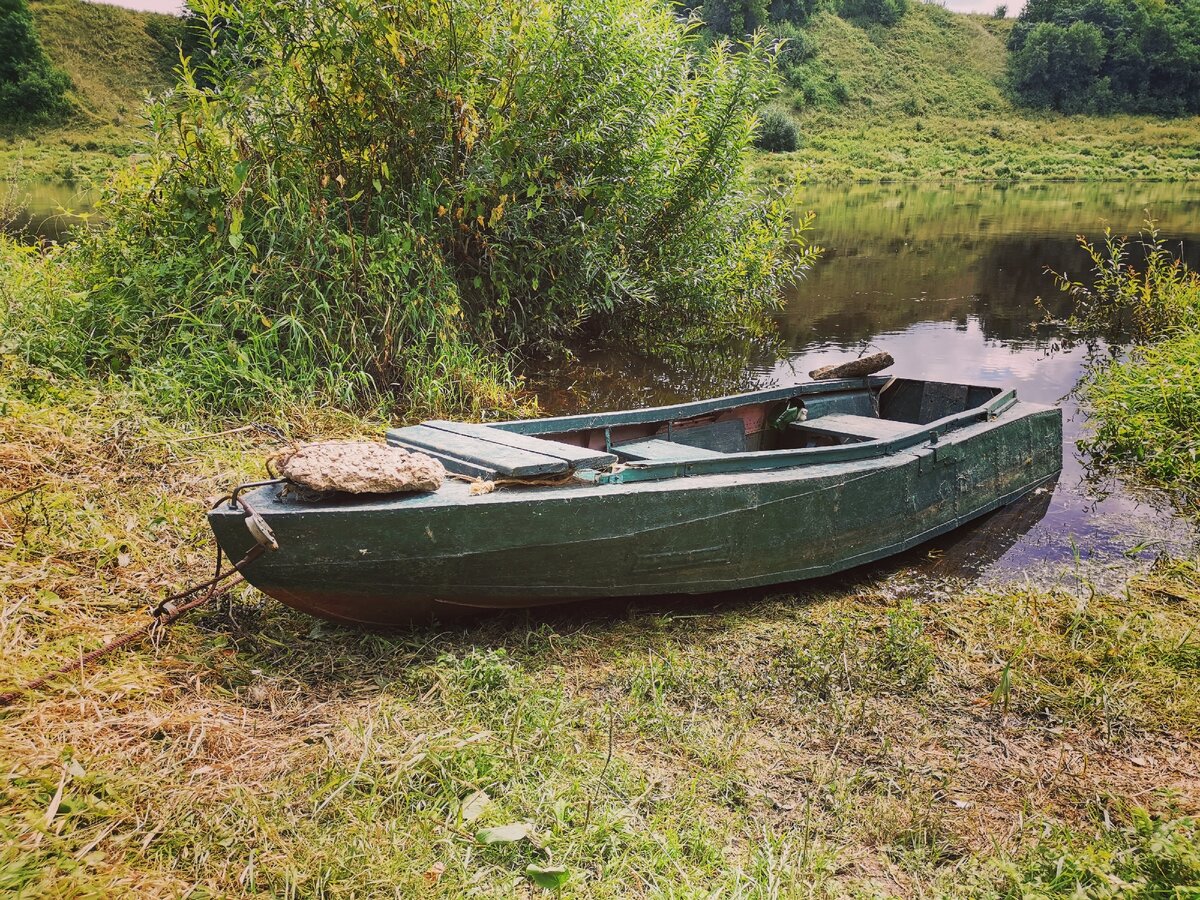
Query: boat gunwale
x,y
764,460
689,410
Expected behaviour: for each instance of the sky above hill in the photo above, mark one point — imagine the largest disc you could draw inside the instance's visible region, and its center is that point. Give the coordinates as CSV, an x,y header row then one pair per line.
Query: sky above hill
x,y
977,6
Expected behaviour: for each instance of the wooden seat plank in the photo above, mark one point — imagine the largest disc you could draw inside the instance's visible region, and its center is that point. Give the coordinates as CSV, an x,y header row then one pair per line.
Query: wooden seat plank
x,y
862,427
510,461
450,463
576,457
656,450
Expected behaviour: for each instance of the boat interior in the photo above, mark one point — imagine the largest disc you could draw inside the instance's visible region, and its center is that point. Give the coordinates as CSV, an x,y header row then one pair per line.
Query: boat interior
x,y
873,414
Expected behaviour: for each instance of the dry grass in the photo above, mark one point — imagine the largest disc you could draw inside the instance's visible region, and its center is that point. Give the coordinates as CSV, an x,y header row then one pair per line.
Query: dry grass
x,y
896,737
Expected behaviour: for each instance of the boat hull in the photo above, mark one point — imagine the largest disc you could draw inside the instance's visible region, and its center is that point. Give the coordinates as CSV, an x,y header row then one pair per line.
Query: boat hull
x,y
402,559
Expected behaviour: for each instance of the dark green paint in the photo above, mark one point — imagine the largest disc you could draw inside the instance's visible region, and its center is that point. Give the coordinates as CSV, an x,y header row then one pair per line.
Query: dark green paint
x,y
726,522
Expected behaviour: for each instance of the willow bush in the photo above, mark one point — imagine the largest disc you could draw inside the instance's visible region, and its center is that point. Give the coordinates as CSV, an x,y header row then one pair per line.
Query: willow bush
x,y
32,90
372,199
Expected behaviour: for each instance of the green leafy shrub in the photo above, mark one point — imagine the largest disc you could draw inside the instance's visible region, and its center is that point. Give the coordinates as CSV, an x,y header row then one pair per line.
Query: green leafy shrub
x,y
740,18
777,131
31,89
1100,55
814,83
796,45
410,195
1137,288
737,18
192,36
885,12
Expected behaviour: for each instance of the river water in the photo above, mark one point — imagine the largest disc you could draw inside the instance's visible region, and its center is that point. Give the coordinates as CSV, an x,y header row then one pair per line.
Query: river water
x,y
43,210
947,279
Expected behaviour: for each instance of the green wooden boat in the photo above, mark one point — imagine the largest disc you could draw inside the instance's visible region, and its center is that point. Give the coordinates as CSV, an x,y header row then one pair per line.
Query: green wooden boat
x,y
762,488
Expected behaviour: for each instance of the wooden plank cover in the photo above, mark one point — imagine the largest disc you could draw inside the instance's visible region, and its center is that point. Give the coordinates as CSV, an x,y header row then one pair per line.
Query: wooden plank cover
x,y
655,450
576,457
839,425
510,461
452,464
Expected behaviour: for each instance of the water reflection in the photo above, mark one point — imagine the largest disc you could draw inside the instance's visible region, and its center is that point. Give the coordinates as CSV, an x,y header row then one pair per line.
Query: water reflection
x,y
44,211
946,280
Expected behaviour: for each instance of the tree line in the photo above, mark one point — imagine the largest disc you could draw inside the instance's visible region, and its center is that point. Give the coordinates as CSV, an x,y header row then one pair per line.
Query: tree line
x,y
1106,56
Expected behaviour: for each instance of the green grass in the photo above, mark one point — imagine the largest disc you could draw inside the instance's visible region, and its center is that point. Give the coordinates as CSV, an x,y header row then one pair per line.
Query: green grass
x,y
1139,858
926,100
1146,415
891,738
115,57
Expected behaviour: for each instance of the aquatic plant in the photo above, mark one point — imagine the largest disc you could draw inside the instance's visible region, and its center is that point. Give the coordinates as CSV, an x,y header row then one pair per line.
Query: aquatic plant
x,y
1139,288
410,196
1145,416
1145,408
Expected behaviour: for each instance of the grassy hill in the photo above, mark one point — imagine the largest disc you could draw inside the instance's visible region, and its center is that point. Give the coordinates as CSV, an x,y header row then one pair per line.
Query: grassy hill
x,y
115,57
931,61
923,99
926,99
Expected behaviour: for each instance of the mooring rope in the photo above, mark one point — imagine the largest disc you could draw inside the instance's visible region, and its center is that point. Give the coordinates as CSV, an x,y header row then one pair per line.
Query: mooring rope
x,y
167,612
164,614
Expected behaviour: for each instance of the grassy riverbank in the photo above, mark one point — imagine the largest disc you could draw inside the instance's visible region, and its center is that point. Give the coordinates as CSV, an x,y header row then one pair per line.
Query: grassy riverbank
x,y
891,733
1145,408
115,57
903,736
925,100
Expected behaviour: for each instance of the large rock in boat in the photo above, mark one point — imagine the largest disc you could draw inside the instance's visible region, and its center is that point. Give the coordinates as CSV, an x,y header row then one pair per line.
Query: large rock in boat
x,y
359,467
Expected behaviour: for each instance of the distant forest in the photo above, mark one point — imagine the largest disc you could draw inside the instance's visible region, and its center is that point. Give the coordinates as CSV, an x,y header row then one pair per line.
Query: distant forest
x,y
1108,56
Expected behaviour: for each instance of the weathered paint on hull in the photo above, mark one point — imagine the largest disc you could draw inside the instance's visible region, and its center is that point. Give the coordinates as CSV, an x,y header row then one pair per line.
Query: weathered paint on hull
x,y
397,560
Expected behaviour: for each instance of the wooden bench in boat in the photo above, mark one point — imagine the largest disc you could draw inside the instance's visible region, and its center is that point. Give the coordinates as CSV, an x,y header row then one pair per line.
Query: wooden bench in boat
x,y
861,428
728,436
485,452
658,450
687,443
